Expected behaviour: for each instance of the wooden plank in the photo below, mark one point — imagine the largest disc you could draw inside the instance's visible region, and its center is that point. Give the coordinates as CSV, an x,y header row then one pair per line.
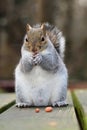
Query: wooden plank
x,y
80,102
59,119
6,101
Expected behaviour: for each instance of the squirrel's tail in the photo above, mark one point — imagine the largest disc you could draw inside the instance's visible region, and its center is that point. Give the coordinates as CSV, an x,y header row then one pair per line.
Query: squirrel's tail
x,y
57,38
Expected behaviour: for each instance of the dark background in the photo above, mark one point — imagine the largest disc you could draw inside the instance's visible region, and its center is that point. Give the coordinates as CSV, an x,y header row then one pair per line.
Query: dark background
x,y
70,16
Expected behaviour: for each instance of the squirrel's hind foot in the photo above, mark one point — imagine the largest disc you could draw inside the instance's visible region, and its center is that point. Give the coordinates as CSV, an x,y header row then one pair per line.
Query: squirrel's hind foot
x,y
60,104
22,105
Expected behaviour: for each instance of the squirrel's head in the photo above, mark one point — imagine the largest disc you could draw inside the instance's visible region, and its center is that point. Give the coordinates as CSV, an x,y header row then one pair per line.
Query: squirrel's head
x,y
35,40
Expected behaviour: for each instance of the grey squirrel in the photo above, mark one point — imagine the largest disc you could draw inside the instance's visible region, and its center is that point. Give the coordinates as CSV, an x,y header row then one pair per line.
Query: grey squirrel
x,y
41,76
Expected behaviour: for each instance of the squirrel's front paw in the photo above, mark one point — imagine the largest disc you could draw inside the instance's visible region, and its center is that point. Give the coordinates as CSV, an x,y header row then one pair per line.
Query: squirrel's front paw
x,y
30,59
27,58
37,59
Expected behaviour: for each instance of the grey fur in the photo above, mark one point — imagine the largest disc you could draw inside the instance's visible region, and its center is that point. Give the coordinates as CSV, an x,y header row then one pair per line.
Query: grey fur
x,y
50,62
25,65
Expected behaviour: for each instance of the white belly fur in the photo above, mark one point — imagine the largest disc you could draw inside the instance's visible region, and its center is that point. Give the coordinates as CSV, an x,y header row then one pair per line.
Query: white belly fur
x,y
38,85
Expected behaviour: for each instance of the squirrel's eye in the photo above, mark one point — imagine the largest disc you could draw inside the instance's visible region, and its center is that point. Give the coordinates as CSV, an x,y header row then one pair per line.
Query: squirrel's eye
x,y
42,39
26,40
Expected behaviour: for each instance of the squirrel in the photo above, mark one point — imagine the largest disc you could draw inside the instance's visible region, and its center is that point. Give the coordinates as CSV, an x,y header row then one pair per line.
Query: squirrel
x,y
41,76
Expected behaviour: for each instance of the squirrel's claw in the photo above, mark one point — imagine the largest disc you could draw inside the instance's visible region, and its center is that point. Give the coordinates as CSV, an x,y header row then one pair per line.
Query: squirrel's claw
x,y
22,105
60,104
37,59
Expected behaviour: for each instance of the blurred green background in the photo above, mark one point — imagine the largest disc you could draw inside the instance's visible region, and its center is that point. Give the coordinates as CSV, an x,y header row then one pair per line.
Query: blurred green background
x,y
70,16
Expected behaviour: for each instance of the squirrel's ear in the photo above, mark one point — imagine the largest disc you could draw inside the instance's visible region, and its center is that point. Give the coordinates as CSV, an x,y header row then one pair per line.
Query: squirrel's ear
x,y
43,28
28,27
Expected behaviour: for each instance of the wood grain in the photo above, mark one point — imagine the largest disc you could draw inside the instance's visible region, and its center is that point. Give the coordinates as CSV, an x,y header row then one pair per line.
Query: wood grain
x,y
63,118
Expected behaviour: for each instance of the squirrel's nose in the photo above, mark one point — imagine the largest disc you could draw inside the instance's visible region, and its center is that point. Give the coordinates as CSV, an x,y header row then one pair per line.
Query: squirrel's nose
x,y
34,50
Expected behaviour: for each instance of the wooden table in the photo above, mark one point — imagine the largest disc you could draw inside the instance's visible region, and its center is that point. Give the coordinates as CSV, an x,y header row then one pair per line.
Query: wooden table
x,y
72,117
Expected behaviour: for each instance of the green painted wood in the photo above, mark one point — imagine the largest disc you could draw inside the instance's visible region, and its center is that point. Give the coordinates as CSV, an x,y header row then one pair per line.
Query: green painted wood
x,y
27,119
80,103
6,101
